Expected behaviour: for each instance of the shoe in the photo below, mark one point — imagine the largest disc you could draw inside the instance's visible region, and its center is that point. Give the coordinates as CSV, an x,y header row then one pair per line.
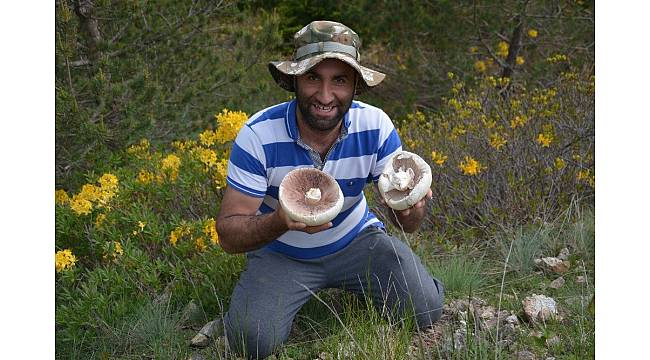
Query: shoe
x,y
208,332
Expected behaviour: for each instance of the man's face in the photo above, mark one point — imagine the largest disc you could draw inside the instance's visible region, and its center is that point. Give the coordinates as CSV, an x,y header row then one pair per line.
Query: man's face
x,y
324,94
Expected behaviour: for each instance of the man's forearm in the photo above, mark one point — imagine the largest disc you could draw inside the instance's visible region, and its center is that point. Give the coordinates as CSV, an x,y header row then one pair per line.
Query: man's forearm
x,y
241,233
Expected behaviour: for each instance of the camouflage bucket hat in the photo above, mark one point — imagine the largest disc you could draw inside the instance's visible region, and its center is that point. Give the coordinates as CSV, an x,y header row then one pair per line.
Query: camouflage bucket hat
x,y
318,41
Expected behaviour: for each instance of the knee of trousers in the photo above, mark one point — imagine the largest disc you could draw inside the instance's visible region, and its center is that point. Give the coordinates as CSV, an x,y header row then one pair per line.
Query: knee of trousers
x,y
253,338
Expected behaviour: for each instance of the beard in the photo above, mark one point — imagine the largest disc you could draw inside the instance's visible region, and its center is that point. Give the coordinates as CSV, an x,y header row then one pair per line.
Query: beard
x,y
317,122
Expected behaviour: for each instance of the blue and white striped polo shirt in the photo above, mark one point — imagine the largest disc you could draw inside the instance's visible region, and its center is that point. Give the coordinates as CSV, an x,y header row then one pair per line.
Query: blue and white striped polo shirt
x,y
268,147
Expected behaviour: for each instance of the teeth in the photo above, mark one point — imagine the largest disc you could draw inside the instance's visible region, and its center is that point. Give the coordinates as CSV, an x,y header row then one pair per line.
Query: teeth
x,y
323,108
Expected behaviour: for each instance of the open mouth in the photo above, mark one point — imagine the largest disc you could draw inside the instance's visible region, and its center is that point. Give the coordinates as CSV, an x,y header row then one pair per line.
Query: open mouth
x,y
323,110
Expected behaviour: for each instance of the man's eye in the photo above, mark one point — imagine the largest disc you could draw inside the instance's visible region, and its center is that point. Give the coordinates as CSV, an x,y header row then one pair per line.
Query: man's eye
x,y
312,77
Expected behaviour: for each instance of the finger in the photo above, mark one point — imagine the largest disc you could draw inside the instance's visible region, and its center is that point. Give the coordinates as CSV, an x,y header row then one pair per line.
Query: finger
x,y
315,229
429,194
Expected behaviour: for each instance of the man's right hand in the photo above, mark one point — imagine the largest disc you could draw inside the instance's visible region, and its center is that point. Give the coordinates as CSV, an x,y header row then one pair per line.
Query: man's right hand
x,y
299,226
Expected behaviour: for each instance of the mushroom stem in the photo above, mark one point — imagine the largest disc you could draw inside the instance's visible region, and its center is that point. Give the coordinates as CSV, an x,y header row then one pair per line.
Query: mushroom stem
x,y
313,196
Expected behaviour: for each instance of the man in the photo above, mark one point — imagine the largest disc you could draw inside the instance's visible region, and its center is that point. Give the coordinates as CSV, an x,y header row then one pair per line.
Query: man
x,y
286,260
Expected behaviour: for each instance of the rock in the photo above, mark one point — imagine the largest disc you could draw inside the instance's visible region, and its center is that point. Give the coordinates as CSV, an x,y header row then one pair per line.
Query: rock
x,y
539,308
512,319
207,332
564,254
196,356
553,264
189,314
557,283
580,279
525,355
554,341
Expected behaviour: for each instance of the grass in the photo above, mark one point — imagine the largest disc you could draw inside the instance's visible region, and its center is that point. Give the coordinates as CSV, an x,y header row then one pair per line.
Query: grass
x,y
335,324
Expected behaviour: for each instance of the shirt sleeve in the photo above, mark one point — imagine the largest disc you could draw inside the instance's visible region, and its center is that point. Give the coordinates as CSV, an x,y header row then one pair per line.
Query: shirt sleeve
x,y
246,167
389,144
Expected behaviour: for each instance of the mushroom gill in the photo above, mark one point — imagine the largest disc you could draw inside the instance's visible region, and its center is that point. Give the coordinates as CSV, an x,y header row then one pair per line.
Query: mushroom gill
x,y
310,196
405,180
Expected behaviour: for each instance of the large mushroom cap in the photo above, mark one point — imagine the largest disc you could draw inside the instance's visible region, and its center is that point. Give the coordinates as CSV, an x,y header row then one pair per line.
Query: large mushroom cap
x,y
310,196
405,180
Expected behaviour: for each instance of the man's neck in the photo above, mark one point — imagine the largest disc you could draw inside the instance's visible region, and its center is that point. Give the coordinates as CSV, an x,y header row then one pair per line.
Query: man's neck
x,y
319,140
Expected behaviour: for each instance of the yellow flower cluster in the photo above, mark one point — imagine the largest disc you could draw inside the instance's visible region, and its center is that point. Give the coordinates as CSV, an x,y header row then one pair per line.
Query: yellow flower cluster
x,y
140,150
91,195
546,137
178,233
560,163
210,230
221,173
64,260
229,123
470,166
518,121
208,157
100,220
532,33
556,58
170,165
145,177
200,244
502,49
479,65
117,251
438,158
520,60
208,138
61,197
585,175
497,141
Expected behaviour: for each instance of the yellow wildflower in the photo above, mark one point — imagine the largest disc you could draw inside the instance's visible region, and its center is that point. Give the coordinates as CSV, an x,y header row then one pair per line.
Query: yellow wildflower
x,y
547,136
497,141
544,139
473,49
141,225
170,164
502,49
520,60
208,157
457,131
221,173
518,121
208,137
229,123
145,176
438,158
118,248
469,166
556,58
140,150
90,192
450,75
108,181
64,260
200,244
210,230
479,66
61,197
81,205
178,233
100,220
532,33
559,163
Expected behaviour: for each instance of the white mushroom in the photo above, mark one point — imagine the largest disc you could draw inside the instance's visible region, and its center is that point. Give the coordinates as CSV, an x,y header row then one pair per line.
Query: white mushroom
x,y
310,196
405,180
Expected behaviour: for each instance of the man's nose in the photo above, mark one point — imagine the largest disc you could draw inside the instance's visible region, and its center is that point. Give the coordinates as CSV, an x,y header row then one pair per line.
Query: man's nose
x,y
325,93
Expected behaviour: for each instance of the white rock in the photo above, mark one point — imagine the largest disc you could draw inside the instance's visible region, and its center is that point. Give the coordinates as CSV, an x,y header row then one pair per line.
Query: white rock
x,y
512,319
539,308
557,283
580,279
564,254
553,264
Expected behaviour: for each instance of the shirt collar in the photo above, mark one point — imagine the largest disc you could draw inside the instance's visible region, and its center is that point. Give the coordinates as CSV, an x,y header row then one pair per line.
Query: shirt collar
x,y
291,122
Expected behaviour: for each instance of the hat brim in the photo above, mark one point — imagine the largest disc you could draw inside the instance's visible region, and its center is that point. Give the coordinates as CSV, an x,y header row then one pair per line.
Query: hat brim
x,y
284,71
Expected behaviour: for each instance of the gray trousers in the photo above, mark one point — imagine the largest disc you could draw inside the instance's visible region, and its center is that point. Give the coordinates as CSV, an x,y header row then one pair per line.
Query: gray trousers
x,y
273,287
